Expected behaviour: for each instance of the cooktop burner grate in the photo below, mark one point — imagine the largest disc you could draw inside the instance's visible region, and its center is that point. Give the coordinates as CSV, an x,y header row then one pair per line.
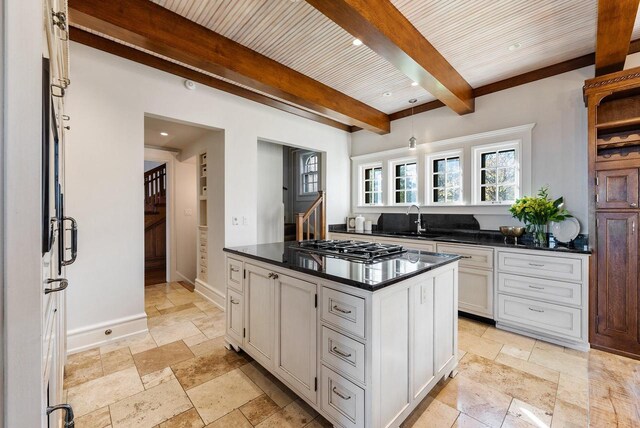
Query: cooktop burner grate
x,y
365,251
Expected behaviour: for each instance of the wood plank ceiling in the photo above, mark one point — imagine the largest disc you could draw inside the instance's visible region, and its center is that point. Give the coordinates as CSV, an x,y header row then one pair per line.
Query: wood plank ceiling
x,y
484,40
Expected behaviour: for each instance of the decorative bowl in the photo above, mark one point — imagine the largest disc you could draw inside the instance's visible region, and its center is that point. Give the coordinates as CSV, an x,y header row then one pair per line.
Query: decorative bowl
x,y
514,232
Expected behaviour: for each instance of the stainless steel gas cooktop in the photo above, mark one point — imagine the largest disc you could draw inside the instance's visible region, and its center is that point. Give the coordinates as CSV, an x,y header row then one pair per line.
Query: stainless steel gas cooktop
x,y
352,250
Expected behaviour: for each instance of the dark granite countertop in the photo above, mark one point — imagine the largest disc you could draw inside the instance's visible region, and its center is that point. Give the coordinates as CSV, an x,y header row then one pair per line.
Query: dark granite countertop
x,y
474,237
367,276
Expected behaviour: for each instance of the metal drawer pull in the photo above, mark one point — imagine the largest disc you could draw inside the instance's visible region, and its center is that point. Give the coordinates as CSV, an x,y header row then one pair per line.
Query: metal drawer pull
x,y
633,204
235,269
339,352
536,310
536,288
234,302
273,275
344,397
536,264
63,285
339,309
467,257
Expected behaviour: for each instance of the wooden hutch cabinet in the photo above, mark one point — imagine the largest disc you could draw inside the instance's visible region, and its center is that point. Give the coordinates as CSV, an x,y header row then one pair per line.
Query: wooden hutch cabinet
x,y
613,103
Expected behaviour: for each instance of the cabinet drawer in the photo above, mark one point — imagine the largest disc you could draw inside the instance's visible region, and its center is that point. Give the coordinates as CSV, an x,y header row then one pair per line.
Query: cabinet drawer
x,y
341,399
475,257
538,288
540,316
234,274
343,353
343,310
555,267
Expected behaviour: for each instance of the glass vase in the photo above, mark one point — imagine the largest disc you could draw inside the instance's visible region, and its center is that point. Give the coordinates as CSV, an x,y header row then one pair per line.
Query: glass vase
x,y
539,233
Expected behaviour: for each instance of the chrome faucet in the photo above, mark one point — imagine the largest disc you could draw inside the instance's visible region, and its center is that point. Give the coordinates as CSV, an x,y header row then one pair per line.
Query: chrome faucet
x,y
419,229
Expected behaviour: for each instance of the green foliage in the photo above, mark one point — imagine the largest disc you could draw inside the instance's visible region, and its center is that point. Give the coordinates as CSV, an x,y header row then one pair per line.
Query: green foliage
x,y
540,209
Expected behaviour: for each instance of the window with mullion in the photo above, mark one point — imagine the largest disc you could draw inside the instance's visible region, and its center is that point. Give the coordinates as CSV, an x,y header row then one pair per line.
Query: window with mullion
x,y
310,174
499,176
372,186
405,184
446,181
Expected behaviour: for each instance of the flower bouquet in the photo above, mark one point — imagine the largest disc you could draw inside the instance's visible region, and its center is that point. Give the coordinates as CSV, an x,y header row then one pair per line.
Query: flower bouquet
x,y
536,212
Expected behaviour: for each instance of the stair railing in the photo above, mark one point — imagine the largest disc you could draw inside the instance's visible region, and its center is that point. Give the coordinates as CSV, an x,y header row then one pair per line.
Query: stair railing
x,y
317,210
155,185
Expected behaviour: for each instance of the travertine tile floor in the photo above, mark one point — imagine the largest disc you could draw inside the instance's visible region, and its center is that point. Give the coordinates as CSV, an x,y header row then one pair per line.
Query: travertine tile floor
x,y
180,375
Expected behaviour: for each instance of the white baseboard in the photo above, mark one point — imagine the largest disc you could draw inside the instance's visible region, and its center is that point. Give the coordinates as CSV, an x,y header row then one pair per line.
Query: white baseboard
x,y
93,336
579,346
211,294
181,277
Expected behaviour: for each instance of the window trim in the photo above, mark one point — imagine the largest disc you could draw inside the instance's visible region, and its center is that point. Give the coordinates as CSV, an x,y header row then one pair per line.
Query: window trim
x,y
428,179
361,188
301,173
392,182
476,170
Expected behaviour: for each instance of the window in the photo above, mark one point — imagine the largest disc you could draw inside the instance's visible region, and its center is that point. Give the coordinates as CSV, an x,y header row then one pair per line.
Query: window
x,y
405,182
309,173
497,173
372,185
444,178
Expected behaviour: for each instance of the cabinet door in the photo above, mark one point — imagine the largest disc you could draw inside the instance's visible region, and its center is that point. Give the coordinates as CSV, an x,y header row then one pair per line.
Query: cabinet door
x,y
445,319
422,336
617,189
235,321
259,314
475,291
617,288
296,325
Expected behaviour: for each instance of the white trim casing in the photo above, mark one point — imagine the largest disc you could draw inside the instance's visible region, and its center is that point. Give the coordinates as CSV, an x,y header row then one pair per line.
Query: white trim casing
x,y
95,335
428,186
360,184
476,169
391,196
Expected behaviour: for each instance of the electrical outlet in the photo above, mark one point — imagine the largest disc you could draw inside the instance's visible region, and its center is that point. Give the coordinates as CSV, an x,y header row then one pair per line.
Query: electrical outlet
x,y
234,221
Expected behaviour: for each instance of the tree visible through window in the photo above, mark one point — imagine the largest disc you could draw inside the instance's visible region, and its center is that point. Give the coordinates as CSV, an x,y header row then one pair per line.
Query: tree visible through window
x,y
499,176
373,185
447,180
405,183
310,173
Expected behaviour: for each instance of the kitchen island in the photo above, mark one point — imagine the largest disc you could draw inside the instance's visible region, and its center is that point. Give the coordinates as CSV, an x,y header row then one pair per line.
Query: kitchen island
x,y
361,338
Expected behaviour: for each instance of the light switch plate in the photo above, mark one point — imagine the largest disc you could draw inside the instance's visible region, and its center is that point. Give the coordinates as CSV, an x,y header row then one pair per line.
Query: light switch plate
x,y
234,221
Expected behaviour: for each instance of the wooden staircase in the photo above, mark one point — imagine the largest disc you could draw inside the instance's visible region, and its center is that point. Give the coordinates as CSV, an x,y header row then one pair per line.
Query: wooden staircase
x,y
312,224
155,224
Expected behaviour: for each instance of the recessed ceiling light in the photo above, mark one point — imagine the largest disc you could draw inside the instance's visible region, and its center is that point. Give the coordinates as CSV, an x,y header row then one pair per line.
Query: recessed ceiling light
x,y
164,134
515,46
414,83
357,42
387,94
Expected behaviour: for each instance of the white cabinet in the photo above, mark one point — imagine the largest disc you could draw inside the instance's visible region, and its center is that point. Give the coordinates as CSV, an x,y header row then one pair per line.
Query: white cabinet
x,y
296,327
259,317
544,296
476,281
380,352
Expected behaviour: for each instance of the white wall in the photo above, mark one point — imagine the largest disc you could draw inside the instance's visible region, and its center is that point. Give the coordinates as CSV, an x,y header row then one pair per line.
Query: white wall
x,y
107,101
186,197
270,205
559,138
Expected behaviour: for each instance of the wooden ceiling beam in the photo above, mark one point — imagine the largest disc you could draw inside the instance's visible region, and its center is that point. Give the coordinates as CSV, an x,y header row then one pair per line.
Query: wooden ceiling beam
x,y
521,79
386,31
135,55
615,26
147,25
